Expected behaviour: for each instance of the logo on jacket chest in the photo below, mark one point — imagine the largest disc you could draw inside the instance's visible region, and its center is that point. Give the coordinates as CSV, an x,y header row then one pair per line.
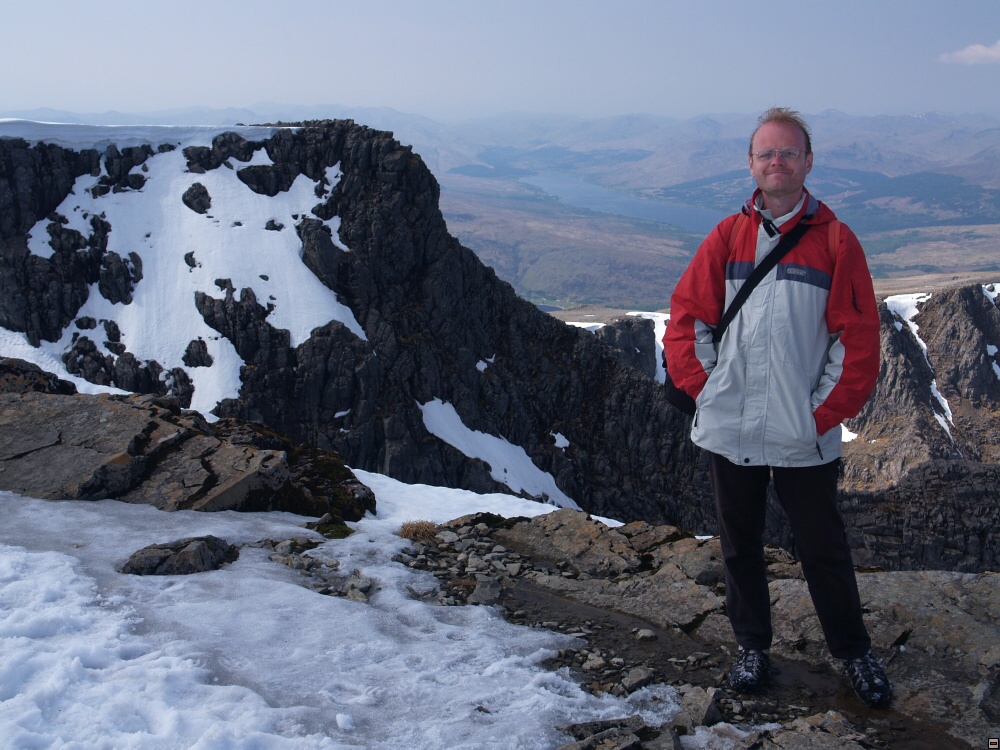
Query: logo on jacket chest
x,y
803,275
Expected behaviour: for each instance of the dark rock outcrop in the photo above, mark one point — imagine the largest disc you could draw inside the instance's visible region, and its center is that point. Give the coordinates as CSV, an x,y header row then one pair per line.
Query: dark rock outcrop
x,y
905,423
182,557
196,354
119,166
119,276
17,376
224,146
34,180
634,338
197,198
125,371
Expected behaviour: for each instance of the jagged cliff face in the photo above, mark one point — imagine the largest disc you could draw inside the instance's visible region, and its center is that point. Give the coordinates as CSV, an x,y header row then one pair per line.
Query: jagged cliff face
x,y
432,322
938,394
426,320
922,480
440,325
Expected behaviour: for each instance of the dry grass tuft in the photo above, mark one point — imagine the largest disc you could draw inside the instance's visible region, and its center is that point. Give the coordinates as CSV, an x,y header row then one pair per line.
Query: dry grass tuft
x,y
418,531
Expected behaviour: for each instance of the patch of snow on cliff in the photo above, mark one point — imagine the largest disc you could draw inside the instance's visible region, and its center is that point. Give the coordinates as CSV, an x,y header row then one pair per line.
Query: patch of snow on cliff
x,y
991,351
991,291
259,158
592,327
659,329
905,307
509,464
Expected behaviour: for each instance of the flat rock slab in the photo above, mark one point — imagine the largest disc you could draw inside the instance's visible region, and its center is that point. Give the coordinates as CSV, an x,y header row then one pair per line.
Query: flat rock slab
x,y
56,445
567,535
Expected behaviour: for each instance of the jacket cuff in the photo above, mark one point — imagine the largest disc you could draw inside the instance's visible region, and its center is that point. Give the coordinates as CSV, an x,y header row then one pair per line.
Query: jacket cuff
x,y
824,420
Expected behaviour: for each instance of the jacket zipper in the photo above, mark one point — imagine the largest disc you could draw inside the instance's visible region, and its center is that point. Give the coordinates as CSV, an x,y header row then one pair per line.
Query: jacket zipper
x,y
820,452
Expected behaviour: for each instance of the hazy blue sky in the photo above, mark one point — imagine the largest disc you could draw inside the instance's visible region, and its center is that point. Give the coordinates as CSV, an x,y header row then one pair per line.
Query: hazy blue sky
x,y
452,59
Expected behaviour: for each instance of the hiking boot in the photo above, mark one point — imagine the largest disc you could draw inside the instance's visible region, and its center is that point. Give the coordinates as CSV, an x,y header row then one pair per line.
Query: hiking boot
x,y
869,680
751,672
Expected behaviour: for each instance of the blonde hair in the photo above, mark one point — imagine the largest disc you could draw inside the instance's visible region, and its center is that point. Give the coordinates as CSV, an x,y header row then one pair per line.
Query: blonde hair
x,y
786,116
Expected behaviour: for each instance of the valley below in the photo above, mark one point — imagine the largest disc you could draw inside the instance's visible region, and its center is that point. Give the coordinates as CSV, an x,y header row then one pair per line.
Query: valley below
x,y
559,254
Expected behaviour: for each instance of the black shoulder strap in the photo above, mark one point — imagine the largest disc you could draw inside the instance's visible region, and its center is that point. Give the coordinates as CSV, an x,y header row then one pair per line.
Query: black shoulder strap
x,y
787,242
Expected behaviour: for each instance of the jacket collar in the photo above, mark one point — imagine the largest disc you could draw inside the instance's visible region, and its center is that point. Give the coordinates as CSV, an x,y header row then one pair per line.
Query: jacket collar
x,y
810,208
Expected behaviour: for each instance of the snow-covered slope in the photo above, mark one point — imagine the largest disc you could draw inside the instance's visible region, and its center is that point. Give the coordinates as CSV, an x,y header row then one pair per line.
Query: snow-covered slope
x,y
183,252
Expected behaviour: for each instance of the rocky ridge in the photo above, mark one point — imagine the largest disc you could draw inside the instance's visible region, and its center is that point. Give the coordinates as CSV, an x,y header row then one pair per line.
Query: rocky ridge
x,y
438,324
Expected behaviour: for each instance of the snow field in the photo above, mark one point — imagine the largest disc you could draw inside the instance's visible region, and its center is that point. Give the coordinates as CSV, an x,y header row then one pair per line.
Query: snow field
x,y
245,657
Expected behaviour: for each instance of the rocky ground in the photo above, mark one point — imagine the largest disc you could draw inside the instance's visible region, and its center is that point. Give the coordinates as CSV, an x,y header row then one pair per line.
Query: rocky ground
x,y
665,626
668,627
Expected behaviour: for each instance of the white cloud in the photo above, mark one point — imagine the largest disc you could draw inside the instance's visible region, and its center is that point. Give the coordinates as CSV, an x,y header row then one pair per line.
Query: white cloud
x,y
974,54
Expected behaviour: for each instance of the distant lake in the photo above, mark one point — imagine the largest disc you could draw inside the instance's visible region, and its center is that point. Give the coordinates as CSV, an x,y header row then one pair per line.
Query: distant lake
x,y
572,190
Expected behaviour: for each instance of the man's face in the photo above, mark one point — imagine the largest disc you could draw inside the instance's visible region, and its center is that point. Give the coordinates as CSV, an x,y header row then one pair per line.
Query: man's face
x,y
780,179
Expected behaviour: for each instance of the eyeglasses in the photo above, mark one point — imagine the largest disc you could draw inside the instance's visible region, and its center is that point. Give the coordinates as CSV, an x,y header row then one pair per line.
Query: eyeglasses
x,y
788,154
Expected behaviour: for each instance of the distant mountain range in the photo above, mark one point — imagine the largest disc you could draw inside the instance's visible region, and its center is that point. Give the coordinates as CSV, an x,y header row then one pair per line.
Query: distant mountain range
x,y
903,183
923,193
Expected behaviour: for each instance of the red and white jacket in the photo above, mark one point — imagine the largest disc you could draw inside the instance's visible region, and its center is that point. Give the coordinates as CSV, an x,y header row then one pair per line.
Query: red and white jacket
x,y
801,355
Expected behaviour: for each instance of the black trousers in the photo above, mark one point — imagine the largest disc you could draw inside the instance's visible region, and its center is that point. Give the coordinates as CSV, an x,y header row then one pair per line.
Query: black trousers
x,y
809,498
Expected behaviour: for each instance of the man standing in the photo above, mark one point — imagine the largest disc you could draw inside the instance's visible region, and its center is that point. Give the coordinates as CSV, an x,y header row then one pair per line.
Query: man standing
x,y
801,355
